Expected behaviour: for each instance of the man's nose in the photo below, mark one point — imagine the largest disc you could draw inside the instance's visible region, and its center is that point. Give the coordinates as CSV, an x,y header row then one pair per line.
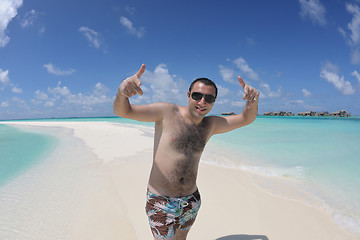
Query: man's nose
x,y
202,101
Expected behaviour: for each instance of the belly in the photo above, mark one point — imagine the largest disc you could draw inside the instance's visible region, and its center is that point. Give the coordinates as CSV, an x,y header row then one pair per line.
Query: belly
x,y
174,177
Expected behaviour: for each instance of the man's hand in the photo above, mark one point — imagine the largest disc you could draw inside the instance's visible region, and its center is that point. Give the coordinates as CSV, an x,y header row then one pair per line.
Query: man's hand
x,y
250,93
131,86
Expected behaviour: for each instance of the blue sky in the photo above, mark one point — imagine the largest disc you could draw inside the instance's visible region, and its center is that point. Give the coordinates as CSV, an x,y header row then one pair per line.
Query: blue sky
x,y
66,58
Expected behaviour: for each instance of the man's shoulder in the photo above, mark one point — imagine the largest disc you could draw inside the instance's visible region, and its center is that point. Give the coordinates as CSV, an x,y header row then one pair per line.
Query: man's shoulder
x,y
162,105
169,109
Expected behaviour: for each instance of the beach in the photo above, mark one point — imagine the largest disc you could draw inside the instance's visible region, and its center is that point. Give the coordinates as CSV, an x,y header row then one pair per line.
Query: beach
x,y
92,185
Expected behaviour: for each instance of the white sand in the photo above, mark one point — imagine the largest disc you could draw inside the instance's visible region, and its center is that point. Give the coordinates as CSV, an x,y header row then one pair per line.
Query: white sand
x,y
107,167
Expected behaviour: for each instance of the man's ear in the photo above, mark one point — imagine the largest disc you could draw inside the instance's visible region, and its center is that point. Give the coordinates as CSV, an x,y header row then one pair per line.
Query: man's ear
x,y
188,93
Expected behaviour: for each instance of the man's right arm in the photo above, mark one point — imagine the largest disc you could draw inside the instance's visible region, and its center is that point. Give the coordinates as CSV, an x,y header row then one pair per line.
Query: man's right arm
x,y
145,113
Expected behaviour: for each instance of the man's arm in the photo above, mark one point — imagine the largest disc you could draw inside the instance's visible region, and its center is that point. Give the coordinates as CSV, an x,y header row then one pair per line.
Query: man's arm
x,y
248,115
145,113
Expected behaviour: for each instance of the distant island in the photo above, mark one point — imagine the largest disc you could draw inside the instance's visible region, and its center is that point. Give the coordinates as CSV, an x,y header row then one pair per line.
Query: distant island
x,y
341,113
228,113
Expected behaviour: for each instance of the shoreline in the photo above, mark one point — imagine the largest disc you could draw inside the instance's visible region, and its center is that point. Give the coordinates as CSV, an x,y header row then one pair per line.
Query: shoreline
x,y
246,209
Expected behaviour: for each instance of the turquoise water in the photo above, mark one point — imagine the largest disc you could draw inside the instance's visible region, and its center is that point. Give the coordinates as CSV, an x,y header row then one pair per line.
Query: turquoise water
x,y
320,154
91,119
19,150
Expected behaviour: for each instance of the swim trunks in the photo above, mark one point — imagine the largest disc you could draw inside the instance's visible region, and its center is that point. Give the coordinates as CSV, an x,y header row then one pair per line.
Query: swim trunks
x,y
166,214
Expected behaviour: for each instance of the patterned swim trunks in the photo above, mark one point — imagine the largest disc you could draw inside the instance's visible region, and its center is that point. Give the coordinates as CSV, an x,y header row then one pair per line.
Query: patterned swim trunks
x,y
166,214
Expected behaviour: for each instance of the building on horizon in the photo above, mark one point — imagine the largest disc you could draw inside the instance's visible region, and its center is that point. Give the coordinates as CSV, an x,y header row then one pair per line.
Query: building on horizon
x,y
281,113
341,113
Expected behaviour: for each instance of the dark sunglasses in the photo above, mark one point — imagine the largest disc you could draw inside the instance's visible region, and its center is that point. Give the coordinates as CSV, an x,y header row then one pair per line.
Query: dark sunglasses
x,y
197,96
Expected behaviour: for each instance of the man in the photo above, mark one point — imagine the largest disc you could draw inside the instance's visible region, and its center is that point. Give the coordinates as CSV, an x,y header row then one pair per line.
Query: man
x,y
181,133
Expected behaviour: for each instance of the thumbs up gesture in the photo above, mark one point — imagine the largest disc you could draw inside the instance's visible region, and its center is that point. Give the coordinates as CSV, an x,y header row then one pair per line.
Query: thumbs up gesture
x,y
250,93
131,86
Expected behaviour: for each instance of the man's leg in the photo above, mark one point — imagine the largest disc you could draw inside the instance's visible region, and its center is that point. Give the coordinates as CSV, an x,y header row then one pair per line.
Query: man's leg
x,y
161,238
181,234
161,216
188,216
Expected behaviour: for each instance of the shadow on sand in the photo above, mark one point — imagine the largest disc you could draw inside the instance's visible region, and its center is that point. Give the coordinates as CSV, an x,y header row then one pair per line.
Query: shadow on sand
x,y
244,237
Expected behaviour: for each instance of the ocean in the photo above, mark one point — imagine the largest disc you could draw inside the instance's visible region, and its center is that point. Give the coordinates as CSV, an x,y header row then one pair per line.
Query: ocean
x,y
314,160
20,150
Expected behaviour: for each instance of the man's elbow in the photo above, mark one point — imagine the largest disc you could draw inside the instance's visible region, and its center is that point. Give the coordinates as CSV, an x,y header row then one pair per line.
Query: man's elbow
x,y
119,112
116,112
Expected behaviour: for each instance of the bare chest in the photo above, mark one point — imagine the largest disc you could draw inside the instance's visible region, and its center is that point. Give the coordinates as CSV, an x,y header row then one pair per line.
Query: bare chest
x,y
187,139
178,147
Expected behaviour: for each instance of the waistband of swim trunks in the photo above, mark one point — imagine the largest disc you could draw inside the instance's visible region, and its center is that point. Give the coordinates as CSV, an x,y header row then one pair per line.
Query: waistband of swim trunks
x,y
195,194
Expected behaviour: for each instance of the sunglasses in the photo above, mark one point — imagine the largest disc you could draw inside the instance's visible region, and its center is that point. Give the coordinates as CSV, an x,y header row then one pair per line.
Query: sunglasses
x,y
197,96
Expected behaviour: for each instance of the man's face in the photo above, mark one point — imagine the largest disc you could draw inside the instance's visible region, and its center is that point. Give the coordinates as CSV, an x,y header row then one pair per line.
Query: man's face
x,y
199,108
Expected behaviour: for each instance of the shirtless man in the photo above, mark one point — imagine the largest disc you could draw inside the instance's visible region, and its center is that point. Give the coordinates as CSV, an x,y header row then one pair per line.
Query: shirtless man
x,y
181,133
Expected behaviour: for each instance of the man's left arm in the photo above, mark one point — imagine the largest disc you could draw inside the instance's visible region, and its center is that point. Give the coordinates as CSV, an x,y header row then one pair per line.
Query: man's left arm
x,y
248,115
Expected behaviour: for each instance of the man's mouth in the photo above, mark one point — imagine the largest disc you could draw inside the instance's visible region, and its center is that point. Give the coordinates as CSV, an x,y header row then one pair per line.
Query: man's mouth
x,y
201,109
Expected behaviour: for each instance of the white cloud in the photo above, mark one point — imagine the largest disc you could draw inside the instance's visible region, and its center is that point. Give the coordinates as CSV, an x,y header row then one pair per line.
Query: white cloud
x,y
43,98
355,56
62,95
220,101
306,93
222,91
92,36
5,104
238,103
295,102
5,81
84,100
246,69
354,25
49,104
342,32
8,10
162,86
131,29
227,74
357,75
81,99
314,10
40,95
59,90
100,89
249,73
51,68
329,72
267,92
4,76
29,18
20,102
16,90
352,33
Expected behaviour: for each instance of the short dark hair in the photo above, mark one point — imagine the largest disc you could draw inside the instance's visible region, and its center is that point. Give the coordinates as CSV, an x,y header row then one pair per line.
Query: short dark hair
x,y
205,81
